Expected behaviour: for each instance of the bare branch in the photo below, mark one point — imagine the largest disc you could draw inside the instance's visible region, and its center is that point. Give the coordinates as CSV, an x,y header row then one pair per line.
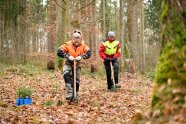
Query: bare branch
x,y
85,6
94,20
59,5
64,2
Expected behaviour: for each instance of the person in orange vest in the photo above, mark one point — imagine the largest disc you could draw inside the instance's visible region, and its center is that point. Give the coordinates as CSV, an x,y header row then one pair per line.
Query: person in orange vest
x,y
75,49
109,51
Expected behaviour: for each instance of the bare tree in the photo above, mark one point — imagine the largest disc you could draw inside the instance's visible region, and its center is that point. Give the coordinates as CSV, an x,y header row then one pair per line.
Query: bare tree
x,y
133,29
142,52
60,27
121,31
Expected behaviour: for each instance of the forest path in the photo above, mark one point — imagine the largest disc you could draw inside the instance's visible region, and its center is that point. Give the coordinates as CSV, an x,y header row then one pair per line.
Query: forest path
x,y
96,104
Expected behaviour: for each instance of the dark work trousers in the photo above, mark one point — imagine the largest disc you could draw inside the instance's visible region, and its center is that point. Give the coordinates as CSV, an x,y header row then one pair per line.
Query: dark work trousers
x,y
115,65
68,74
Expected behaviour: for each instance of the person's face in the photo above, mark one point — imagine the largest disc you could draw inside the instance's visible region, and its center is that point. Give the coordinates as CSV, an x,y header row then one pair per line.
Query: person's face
x,y
111,38
76,41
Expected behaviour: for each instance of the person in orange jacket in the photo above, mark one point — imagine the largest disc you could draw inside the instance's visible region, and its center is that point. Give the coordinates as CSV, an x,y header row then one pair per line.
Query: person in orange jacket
x,y
75,49
109,51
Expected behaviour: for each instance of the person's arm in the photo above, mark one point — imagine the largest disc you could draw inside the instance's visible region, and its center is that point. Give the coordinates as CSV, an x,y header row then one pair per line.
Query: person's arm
x,y
62,51
101,51
118,51
87,52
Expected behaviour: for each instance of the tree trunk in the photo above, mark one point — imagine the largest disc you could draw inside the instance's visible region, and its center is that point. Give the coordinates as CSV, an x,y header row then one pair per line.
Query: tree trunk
x,y
14,31
169,91
133,29
142,52
121,31
104,18
50,20
2,21
60,28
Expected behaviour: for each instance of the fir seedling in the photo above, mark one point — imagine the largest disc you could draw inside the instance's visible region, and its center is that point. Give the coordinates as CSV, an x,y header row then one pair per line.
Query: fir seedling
x,y
24,92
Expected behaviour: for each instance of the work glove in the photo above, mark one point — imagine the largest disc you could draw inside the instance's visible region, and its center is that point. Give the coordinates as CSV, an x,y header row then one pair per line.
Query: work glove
x,y
71,58
66,55
113,59
84,56
78,58
107,59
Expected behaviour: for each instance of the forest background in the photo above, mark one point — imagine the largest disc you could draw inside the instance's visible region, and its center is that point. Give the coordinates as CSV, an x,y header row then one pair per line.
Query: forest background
x,y
152,34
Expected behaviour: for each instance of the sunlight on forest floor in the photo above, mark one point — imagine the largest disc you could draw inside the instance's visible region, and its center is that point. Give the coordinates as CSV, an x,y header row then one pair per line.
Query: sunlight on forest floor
x,y
96,104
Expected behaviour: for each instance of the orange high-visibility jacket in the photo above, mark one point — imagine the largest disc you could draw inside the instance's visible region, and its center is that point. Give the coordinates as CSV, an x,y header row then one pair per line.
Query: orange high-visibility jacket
x,y
74,51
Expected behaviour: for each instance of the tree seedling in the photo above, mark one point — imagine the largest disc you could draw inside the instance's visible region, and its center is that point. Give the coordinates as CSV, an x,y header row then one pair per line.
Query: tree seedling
x,y
24,95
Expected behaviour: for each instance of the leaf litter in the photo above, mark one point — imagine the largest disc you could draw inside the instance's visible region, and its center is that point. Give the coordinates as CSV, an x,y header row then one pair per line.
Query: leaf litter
x,y
96,104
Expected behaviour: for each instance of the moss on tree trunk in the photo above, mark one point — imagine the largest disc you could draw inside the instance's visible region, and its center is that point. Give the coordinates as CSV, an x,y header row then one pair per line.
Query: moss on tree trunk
x,y
169,94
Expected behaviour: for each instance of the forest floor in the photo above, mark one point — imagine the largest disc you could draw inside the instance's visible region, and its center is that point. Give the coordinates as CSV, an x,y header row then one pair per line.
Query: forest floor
x,y
96,105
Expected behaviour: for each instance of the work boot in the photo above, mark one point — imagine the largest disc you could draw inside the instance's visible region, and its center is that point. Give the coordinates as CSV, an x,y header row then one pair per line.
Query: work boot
x,y
112,88
69,91
69,96
118,86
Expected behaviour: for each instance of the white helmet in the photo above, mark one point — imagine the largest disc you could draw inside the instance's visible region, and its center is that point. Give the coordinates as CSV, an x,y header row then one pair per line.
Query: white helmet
x,y
111,34
76,35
